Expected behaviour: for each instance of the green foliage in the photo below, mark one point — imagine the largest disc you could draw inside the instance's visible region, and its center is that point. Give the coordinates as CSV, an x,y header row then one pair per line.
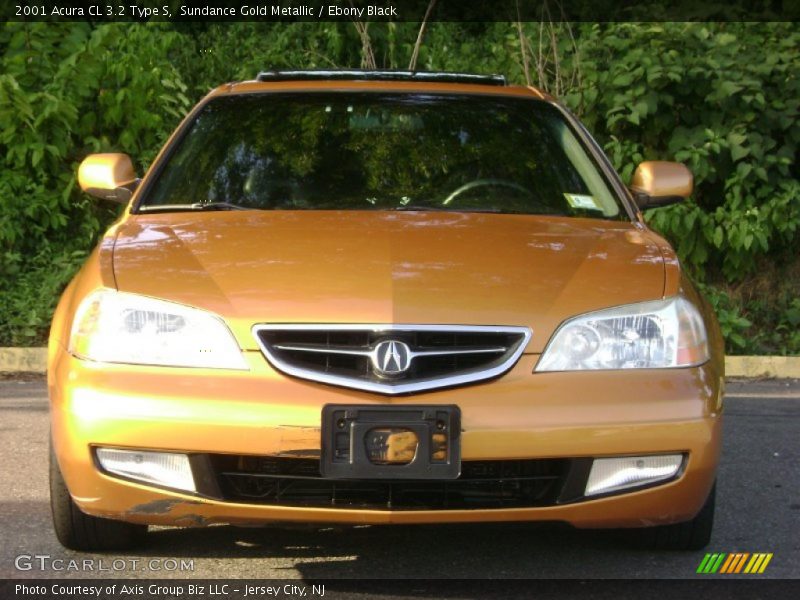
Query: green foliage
x,y
28,305
733,325
723,98
779,330
758,323
67,90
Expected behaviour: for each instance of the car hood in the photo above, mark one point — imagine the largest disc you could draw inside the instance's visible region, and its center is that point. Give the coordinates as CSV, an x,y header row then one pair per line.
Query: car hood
x,y
387,267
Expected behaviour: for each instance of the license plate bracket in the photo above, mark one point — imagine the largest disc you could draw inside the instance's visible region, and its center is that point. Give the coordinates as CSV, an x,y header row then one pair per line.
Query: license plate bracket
x,y
391,442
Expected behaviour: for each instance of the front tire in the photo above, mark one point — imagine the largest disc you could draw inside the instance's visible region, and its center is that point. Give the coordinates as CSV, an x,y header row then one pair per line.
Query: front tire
x,y
691,535
78,531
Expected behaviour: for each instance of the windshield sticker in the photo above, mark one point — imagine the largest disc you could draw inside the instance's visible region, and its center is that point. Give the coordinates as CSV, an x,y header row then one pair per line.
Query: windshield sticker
x,y
582,201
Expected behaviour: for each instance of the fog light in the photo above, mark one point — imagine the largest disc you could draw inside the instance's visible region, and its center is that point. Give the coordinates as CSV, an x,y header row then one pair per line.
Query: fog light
x,y
162,468
612,474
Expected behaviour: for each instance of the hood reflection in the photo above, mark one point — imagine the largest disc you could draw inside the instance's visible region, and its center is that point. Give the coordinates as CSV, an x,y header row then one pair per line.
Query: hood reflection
x,y
335,266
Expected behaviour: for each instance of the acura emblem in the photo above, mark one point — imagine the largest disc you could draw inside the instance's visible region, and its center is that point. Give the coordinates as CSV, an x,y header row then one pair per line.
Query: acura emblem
x,y
391,357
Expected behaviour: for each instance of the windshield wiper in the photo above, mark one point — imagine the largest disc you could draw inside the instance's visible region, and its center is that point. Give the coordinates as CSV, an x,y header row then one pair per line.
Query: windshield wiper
x,y
422,208
217,206
196,206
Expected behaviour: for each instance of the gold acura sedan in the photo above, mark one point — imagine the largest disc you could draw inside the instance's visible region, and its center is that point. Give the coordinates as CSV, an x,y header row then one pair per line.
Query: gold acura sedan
x,y
382,297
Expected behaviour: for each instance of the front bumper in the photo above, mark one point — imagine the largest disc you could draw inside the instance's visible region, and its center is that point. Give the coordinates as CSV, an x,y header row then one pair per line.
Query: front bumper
x,y
522,415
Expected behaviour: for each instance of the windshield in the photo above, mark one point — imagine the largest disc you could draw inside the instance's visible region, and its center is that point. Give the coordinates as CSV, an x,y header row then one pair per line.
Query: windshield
x,y
371,151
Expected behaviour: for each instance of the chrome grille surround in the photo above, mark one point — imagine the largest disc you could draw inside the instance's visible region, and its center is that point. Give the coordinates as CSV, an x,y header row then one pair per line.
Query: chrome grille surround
x,y
497,358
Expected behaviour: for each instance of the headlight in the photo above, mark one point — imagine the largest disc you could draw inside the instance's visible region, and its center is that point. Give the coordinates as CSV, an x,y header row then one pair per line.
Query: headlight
x,y
118,327
648,335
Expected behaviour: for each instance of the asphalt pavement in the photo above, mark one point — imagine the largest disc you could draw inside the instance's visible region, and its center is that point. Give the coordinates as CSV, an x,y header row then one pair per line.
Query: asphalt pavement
x,y
758,510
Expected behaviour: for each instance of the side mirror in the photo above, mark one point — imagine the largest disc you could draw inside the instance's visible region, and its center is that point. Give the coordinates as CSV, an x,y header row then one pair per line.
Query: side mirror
x,y
108,176
659,183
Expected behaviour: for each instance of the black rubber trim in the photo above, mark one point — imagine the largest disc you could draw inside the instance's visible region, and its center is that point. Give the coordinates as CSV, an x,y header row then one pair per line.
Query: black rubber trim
x,y
386,75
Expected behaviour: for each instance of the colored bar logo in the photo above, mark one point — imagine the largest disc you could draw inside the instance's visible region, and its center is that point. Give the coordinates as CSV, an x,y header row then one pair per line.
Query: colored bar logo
x,y
738,562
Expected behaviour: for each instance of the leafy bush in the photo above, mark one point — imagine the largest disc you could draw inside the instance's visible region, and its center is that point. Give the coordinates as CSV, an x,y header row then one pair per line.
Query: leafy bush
x,y
723,101
28,305
67,90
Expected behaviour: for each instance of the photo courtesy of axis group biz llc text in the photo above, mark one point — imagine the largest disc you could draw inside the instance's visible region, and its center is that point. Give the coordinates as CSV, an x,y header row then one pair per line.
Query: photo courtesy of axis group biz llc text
x,y
170,589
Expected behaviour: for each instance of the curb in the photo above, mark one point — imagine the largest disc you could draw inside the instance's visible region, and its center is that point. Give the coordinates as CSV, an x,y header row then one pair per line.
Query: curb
x,y
34,360
23,360
782,367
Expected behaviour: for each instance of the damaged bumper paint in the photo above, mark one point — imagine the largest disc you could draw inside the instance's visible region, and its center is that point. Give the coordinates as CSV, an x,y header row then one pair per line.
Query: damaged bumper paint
x,y
261,413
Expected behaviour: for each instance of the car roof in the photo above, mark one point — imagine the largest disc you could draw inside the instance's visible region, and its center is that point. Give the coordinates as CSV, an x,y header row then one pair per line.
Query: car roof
x,y
379,81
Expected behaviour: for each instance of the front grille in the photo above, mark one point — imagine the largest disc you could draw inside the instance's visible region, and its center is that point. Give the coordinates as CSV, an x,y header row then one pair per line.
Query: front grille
x,y
392,359
494,484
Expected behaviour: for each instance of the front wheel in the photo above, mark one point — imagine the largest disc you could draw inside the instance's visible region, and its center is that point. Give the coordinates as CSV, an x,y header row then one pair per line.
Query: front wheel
x,y
78,531
691,535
